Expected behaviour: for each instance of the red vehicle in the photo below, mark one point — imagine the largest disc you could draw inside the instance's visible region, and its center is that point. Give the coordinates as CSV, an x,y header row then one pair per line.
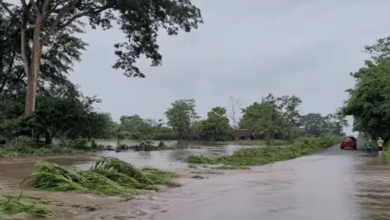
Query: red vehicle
x,y
349,141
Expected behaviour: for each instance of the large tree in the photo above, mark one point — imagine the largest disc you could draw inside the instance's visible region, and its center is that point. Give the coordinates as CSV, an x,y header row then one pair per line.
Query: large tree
x,y
265,118
139,20
369,101
57,60
289,113
181,116
216,126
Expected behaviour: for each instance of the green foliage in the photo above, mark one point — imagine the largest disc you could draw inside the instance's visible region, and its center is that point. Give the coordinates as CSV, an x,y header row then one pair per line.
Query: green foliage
x,y
135,125
160,177
28,147
381,50
369,101
57,60
265,118
109,176
62,111
181,115
317,125
216,126
10,205
269,154
232,167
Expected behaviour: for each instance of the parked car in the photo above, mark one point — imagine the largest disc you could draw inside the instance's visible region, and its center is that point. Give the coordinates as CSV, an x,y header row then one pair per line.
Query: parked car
x,y
348,141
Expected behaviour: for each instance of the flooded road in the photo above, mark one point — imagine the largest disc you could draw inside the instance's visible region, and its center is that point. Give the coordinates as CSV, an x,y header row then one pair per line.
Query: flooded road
x,y
332,184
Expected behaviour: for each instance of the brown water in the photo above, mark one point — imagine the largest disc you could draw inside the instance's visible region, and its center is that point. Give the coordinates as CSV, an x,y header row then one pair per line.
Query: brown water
x,y
166,159
313,187
332,184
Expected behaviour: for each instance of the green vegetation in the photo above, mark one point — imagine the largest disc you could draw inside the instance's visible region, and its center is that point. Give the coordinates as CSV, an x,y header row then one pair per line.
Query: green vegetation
x,y
264,155
10,205
110,176
279,118
369,101
260,143
214,128
386,150
180,116
28,147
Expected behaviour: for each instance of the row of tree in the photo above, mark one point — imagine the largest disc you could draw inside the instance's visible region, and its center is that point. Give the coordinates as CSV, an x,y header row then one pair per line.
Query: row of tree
x,y
269,119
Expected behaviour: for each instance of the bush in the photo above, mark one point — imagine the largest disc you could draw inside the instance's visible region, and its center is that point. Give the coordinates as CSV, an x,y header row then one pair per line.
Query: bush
x,y
80,144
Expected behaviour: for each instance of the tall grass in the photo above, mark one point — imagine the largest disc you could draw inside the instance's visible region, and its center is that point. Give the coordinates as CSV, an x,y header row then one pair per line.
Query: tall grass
x,y
109,176
269,154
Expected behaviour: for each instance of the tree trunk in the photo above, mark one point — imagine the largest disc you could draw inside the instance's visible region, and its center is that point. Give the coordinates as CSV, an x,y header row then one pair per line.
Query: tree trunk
x,y
38,136
33,72
47,138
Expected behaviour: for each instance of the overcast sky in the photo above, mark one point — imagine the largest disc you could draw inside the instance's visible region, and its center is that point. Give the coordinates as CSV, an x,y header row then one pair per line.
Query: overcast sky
x,y
245,48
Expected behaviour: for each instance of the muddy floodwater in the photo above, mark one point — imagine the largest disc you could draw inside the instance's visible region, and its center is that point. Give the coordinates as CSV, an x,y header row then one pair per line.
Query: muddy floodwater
x,y
332,184
166,159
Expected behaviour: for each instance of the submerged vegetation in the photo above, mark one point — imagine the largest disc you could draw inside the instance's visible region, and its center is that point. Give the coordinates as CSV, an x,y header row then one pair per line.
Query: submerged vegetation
x,y
10,205
269,154
109,176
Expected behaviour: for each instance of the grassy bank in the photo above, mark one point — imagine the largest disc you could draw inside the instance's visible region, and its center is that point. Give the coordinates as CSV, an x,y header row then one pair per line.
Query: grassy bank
x,y
263,155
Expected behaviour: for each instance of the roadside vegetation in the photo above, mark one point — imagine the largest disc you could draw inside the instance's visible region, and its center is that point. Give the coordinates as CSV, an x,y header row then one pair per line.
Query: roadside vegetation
x,y
263,155
369,100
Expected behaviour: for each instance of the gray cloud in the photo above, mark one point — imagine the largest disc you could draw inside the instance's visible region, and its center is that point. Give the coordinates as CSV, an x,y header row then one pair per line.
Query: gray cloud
x,y
246,49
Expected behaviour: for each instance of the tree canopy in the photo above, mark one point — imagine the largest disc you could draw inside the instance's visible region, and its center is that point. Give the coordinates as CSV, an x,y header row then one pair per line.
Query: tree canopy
x,y
369,101
140,20
181,115
216,126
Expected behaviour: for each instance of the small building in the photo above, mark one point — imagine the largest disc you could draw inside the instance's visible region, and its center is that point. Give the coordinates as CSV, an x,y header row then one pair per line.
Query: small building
x,y
243,134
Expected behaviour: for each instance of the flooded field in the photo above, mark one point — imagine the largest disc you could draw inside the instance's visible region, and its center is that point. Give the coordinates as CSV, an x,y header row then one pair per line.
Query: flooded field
x,y
332,184
166,159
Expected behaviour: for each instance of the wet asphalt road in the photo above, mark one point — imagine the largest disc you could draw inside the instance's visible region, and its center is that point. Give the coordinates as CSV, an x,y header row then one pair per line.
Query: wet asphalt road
x,y
332,184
